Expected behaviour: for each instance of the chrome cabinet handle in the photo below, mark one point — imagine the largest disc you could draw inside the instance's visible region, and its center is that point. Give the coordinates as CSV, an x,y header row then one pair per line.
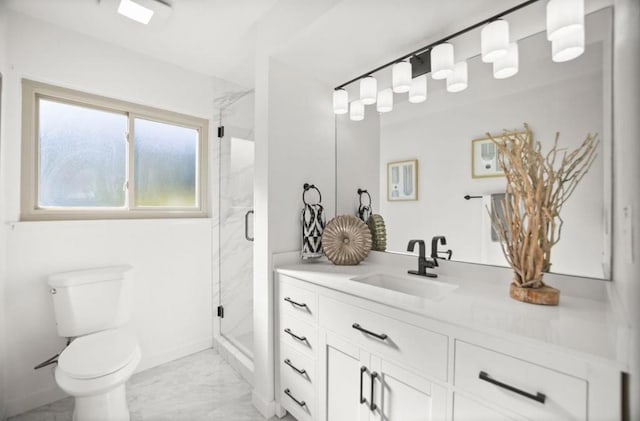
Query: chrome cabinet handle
x,y
288,393
290,364
246,225
363,369
538,397
381,336
372,405
289,300
300,338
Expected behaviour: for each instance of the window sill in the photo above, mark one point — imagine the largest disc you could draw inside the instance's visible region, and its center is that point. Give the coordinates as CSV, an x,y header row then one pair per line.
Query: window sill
x,y
87,215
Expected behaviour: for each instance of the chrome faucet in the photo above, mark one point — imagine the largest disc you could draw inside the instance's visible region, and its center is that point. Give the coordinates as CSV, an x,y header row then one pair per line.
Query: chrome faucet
x,y
423,263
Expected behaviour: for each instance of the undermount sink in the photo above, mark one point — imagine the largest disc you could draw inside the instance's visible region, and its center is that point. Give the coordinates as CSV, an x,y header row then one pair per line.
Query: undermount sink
x,y
425,288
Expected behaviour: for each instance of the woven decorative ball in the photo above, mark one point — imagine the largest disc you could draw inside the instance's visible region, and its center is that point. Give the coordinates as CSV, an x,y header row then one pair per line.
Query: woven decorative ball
x,y
346,240
378,232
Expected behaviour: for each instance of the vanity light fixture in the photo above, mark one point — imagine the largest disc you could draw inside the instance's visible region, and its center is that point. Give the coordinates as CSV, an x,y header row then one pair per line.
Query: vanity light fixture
x,y
340,101
569,46
507,65
401,77
565,29
564,17
494,40
459,79
418,90
368,90
385,100
442,61
356,111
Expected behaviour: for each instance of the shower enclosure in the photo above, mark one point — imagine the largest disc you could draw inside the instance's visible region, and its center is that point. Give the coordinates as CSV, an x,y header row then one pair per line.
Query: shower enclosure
x,y
236,162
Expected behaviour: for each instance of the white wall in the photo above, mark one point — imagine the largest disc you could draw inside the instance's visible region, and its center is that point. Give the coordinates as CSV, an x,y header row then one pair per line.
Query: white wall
x,y
172,259
3,264
439,132
626,231
294,145
301,149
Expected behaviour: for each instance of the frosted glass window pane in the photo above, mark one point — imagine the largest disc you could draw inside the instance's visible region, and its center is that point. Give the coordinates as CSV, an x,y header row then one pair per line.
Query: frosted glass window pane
x,y
165,164
82,156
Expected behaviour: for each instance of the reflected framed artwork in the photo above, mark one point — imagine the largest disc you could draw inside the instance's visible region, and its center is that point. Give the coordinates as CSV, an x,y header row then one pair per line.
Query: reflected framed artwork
x,y
484,159
402,180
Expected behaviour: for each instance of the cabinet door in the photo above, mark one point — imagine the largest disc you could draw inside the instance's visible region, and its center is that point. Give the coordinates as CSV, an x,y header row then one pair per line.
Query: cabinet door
x,y
343,381
402,395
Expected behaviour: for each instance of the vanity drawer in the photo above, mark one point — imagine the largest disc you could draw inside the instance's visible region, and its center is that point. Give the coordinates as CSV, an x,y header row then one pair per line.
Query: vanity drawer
x,y
465,409
403,344
565,397
300,335
298,301
297,395
292,362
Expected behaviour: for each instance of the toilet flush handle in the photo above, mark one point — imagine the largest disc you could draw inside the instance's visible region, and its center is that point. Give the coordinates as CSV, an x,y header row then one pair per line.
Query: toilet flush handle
x,y
53,291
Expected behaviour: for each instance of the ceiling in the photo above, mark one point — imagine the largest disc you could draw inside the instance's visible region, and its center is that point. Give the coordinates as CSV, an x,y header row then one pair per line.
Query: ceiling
x,y
213,37
334,40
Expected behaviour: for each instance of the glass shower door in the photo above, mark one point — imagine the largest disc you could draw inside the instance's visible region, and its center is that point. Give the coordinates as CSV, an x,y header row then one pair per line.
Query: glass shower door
x,y
236,238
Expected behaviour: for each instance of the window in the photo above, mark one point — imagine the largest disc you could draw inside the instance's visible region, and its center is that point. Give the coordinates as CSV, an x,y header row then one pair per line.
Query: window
x,y
91,157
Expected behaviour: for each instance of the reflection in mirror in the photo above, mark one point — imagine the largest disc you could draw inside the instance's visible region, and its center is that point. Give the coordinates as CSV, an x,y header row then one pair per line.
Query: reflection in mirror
x,y
445,135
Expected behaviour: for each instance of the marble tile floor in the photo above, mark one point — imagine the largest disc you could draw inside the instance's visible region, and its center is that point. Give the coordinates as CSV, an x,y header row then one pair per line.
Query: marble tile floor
x,y
198,387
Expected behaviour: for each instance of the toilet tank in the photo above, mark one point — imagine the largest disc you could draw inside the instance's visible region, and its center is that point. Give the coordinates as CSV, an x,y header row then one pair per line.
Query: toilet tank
x,y
88,301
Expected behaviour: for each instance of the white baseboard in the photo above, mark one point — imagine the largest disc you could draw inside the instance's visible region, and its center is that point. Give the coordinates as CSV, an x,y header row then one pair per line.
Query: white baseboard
x,y
173,354
52,394
266,408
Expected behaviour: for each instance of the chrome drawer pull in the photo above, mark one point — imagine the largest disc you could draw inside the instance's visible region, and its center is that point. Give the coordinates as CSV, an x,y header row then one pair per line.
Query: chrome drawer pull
x,y
300,338
538,397
381,336
289,300
288,393
288,362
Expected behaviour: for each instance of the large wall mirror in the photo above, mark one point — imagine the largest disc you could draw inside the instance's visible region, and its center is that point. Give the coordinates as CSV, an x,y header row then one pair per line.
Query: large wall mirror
x,y
573,98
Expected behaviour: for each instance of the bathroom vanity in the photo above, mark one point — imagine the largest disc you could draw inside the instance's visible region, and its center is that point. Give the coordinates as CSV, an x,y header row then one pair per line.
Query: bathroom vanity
x,y
371,342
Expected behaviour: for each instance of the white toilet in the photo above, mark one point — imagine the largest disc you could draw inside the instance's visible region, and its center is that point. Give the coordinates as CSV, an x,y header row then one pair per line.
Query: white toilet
x,y
92,307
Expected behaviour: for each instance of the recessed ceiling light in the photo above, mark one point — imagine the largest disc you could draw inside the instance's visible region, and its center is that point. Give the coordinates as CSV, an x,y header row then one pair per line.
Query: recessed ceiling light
x,y
135,11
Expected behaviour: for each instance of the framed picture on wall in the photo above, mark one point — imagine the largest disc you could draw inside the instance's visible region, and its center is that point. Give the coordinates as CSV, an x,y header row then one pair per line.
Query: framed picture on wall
x,y
402,180
484,159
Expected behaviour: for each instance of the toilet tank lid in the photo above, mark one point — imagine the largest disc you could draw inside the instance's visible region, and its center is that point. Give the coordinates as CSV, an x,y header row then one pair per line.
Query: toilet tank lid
x,y
88,276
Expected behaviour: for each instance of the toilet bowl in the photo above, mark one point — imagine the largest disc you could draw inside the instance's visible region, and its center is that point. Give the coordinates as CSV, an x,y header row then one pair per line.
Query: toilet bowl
x,y
94,368
94,306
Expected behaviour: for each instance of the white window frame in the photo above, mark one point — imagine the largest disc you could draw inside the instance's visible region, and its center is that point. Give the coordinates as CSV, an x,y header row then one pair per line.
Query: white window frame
x,y
32,91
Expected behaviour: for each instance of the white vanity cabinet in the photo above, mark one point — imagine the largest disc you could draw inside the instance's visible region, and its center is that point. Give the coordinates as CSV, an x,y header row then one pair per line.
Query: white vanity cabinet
x,y
360,386
347,358
334,366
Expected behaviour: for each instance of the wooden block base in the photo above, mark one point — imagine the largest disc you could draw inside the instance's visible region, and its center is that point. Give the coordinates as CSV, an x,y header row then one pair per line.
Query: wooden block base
x,y
546,295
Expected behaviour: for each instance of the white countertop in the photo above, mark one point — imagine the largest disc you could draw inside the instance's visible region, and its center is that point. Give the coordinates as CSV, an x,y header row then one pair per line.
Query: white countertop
x,y
588,326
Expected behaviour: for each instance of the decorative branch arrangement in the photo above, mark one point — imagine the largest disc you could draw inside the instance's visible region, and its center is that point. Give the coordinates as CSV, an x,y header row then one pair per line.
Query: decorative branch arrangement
x,y
537,187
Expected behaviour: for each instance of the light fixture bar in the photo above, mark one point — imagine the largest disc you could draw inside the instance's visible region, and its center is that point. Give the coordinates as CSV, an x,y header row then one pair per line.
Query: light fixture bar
x,y
440,41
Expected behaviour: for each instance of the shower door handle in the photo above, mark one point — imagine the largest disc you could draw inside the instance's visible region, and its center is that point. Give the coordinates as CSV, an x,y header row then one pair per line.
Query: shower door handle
x,y
246,225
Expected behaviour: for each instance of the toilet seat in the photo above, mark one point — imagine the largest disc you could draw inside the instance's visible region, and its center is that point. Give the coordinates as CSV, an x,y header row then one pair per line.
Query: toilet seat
x,y
98,354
